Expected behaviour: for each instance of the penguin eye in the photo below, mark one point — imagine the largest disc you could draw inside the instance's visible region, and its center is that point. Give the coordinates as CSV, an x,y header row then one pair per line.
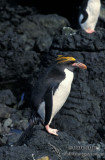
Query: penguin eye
x,y
69,63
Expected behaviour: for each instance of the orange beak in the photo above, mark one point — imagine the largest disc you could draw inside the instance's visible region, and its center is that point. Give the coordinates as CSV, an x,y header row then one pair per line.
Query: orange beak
x,y
80,65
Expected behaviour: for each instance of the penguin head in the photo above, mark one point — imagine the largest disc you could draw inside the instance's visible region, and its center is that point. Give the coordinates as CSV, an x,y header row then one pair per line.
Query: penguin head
x,y
70,62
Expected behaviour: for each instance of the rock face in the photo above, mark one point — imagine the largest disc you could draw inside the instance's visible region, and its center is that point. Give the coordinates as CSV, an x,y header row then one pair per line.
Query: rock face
x,y
29,43
14,61
40,29
7,97
19,47
5,111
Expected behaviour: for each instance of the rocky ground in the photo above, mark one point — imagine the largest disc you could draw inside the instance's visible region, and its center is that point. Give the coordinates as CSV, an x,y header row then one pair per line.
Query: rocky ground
x,y
29,43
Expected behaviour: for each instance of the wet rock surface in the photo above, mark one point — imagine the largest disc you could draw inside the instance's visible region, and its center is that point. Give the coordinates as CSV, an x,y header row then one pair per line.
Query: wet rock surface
x,y
29,43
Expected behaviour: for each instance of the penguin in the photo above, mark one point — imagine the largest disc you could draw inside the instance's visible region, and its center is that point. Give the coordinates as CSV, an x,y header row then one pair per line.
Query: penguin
x,y
52,90
89,14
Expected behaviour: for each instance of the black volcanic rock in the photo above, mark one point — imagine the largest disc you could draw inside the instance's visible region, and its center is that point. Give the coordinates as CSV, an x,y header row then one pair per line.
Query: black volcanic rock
x,y
63,8
40,30
15,62
7,97
30,42
5,112
80,40
60,147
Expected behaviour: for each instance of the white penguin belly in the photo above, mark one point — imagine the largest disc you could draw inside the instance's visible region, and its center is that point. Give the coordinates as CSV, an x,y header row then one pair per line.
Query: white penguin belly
x,y
93,10
62,93
60,96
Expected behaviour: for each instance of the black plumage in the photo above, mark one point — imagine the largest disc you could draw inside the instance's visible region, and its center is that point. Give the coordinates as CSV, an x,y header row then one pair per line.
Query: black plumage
x,y
51,91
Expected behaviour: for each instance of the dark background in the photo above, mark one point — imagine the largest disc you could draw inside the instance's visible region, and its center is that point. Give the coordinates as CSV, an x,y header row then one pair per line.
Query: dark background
x,y
68,9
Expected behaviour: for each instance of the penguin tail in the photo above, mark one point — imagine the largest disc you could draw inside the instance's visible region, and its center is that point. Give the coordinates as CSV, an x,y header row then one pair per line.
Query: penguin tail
x,y
34,120
26,134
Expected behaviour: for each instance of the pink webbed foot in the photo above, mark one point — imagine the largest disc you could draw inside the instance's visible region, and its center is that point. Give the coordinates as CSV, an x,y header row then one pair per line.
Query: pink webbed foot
x,y
51,131
90,30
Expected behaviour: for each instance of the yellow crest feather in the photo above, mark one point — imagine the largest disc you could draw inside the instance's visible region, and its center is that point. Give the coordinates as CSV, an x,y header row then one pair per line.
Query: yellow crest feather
x,y
62,59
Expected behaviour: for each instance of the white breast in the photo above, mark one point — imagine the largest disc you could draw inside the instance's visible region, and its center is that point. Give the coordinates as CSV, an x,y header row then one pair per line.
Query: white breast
x,y
60,96
62,93
93,10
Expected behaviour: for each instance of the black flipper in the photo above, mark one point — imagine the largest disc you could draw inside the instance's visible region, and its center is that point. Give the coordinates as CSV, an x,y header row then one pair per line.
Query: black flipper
x,y
49,102
85,16
83,10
